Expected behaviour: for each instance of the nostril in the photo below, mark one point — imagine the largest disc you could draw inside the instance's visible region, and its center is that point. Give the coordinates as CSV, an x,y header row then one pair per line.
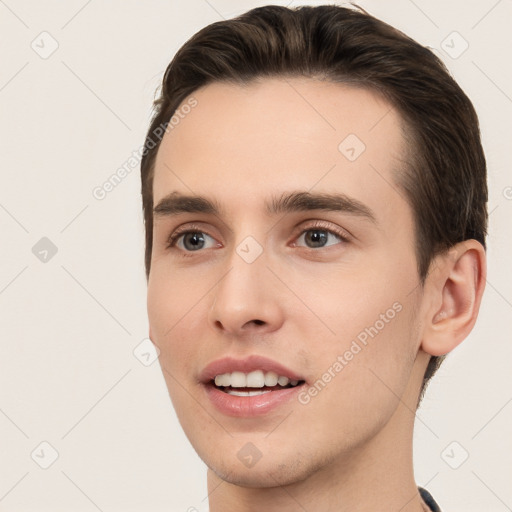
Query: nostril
x,y
258,322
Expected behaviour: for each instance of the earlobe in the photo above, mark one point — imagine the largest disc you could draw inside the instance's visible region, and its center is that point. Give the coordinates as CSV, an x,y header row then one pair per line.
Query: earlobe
x,y
456,290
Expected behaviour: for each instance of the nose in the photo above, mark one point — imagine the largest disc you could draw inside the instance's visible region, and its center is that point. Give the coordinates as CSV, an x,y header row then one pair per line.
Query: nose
x,y
246,300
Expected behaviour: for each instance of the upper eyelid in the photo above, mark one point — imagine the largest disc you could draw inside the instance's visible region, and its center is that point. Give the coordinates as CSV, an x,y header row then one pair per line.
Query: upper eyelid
x,y
327,226
181,231
193,227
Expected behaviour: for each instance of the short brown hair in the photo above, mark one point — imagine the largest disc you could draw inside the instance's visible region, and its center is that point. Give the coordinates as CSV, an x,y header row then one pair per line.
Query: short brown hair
x,y
445,180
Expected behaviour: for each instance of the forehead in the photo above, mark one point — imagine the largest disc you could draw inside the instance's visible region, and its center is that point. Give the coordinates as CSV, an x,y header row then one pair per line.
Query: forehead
x,y
242,144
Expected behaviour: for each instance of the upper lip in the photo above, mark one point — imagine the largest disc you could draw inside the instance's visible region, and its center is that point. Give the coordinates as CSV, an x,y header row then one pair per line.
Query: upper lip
x,y
246,365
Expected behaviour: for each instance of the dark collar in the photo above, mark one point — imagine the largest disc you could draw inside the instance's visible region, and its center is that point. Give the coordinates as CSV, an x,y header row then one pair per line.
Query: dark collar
x,y
427,498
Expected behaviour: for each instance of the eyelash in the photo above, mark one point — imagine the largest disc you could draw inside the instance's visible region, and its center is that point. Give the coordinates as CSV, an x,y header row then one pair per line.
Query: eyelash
x,y
319,225
173,238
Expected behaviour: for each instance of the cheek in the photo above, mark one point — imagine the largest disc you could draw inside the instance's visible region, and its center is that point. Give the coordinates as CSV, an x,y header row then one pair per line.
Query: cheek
x,y
172,295
175,317
366,359
350,304
374,366
172,313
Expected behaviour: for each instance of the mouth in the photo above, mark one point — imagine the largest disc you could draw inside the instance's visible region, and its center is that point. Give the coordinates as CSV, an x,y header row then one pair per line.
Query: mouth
x,y
249,387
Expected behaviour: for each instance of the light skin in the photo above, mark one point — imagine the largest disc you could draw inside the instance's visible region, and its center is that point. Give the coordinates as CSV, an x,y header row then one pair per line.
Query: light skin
x,y
350,447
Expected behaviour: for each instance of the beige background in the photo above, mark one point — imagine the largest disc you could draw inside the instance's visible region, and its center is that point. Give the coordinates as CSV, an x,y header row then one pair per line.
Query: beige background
x,y
70,321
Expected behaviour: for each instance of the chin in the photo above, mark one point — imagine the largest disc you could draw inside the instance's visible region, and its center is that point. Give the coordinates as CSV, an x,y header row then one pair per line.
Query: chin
x,y
265,473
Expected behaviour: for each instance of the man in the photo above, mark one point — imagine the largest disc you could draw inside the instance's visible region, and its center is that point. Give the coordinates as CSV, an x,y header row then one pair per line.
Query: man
x,y
315,229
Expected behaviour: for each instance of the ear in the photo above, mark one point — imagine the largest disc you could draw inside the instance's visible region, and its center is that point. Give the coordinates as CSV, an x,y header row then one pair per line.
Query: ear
x,y
455,288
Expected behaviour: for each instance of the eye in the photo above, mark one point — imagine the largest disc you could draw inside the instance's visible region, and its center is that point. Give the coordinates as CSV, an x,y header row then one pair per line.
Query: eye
x,y
316,237
191,241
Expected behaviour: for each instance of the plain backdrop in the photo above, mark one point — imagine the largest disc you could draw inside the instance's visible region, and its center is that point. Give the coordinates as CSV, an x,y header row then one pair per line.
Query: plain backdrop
x,y
78,394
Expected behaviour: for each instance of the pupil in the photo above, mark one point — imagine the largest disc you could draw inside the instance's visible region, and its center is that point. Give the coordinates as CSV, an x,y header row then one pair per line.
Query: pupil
x,y
193,241
317,237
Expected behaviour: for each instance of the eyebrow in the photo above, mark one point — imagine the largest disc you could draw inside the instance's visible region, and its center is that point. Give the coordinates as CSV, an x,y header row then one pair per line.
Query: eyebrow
x,y
176,203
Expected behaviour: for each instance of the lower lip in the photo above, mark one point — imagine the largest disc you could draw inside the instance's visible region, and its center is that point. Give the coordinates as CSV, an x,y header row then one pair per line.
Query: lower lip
x,y
249,406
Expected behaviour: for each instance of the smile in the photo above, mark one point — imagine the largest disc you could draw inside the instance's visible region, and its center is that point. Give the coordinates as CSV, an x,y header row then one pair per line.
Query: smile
x,y
255,386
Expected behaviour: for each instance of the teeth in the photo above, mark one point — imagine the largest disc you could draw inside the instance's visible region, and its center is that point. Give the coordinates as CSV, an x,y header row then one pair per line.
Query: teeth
x,y
247,393
238,380
271,379
254,379
223,380
283,381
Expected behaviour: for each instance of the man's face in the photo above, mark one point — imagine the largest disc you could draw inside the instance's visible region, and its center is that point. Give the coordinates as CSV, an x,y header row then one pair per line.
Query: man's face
x,y
326,295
